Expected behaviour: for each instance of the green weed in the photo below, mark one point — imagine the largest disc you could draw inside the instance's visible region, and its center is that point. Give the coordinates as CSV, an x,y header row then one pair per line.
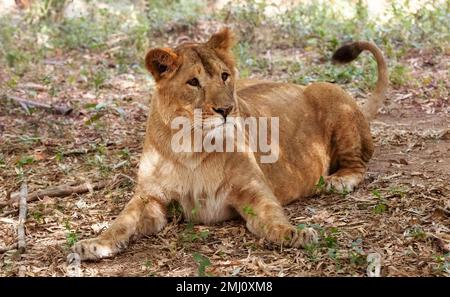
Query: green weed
x,y
203,262
381,206
71,235
249,211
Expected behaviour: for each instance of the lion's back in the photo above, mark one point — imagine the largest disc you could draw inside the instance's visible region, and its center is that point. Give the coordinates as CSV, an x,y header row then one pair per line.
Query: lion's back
x,y
266,98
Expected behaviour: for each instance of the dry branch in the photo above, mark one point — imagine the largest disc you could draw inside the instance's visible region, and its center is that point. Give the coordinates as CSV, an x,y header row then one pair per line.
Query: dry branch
x,y
53,108
8,248
7,213
22,218
59,191
33,86
62,191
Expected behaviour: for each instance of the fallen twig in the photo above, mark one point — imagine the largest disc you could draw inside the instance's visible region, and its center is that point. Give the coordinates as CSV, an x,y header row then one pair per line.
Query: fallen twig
x,y
9,221
22,218
82,151
7,213
65,110
62,191
127,177
8,248
59,191
33,86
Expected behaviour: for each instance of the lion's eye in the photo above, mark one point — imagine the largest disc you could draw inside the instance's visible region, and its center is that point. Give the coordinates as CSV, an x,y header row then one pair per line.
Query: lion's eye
x,y
193,82
225,76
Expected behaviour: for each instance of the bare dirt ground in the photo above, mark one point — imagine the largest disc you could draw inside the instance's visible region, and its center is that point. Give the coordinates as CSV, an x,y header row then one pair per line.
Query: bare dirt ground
x,y
401,211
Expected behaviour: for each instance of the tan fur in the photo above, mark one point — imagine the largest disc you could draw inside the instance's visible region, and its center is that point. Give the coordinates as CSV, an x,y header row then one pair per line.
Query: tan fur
x,y
322,133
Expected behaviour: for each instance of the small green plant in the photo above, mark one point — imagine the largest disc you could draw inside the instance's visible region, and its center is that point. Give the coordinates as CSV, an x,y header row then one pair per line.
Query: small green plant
x,y
98,110
59,155
301,226
100,160
194,211
37,216
94,119
191,235
244,60
357,255
12,82
2,161
376,193
381,206
443,264
203,262
148,267
330,238
101,149
397,191
417,233
47,80
53,91
71,236
312,250
400,75
29,139
124,153
249,211
174,210
25,160
320,184
329,241
99,79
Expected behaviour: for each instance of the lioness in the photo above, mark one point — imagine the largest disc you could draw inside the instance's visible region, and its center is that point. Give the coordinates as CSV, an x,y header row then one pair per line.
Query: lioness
x,y
322,133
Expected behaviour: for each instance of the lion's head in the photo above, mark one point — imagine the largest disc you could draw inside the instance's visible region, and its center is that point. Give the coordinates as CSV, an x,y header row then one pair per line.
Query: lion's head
x,y
195,76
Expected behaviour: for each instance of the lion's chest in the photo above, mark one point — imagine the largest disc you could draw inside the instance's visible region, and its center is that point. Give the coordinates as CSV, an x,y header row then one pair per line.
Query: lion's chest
x,y
204,197
201,190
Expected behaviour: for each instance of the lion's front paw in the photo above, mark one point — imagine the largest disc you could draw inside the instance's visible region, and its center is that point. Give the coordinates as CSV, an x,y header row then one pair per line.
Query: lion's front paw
x,y
304,237
94,249
290,236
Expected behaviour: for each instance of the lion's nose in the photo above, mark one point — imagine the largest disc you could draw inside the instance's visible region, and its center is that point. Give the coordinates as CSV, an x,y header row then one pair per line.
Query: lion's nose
x,y
224,111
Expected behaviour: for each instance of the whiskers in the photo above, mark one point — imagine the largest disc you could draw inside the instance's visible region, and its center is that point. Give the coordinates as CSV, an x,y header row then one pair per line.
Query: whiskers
x,y
206,122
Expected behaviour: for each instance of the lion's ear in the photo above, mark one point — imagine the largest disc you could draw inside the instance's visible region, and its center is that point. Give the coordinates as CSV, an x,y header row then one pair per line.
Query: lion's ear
x,y
223,40
161,62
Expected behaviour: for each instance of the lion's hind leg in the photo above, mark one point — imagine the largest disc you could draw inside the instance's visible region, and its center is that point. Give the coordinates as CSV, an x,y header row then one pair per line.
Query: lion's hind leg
x,y
343,181
353,149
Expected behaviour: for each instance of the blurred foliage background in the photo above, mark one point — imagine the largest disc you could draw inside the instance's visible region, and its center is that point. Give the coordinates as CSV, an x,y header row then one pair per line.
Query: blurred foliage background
x,y
126,29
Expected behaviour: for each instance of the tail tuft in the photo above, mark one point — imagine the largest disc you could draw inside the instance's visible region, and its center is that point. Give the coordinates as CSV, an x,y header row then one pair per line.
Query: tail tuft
x,y
350,51
347,53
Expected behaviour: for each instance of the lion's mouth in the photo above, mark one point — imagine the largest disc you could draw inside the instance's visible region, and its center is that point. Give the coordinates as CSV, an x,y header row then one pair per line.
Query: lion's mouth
x,y
222,128
213,123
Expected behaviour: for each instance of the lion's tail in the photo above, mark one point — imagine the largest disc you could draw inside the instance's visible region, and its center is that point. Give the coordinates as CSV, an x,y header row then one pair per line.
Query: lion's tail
x,y
349,52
